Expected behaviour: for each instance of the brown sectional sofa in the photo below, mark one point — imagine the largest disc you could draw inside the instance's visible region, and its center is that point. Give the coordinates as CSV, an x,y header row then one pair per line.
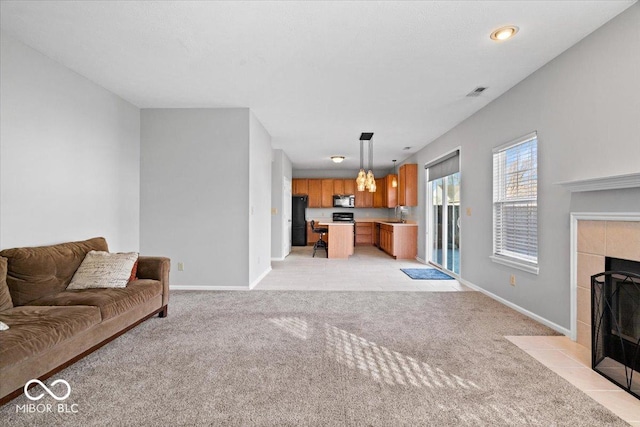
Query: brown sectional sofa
x,y
51,327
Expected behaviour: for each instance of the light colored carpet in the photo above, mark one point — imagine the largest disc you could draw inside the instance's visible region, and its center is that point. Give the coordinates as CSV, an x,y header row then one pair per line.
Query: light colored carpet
x,y
272,358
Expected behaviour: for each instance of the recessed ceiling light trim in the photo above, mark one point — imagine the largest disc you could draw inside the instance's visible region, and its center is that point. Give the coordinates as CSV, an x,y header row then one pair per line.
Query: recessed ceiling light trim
x,y
504,33
337,159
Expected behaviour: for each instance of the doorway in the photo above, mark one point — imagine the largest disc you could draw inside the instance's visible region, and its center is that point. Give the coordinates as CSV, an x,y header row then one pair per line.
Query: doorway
x,y
443,212
286,218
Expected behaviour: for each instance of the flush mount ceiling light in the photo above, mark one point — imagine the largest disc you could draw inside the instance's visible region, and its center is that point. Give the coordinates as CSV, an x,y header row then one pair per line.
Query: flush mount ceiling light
x,y
337,159
504,33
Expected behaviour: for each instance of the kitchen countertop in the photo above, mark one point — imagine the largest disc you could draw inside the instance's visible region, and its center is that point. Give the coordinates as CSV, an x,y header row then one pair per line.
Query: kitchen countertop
x,y
380,220
385,221
334,223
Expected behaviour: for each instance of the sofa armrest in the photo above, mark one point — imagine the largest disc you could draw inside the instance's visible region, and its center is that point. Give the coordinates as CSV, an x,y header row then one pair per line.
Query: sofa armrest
x,y
156,268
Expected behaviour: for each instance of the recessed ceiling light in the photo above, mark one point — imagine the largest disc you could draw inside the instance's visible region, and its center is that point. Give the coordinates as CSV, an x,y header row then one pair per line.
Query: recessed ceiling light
x,y
504,33
337,159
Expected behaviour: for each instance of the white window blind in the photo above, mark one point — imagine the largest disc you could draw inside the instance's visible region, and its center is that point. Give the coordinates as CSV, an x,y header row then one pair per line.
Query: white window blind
x,y
515,201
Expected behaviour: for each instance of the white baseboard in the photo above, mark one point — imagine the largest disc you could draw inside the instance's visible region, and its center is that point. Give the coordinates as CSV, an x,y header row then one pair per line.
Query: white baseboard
x,y
220,288
519,309
207,288
278,259
262,276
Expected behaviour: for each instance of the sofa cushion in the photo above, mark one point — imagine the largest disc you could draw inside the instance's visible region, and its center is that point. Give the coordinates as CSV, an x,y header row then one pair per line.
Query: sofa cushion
x,y
110,301
35,329
35,272
5,296
104,270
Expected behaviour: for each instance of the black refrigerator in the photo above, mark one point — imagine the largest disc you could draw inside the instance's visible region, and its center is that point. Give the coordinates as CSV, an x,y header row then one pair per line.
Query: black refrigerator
x,y
298,221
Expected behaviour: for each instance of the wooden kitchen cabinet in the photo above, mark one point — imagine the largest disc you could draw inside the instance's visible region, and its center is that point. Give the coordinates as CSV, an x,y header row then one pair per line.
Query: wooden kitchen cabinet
x,y
408,185
300,186
338,186
399,241
327,193
315,193
349,185
391,193
386,238
380,195
364,199
364,233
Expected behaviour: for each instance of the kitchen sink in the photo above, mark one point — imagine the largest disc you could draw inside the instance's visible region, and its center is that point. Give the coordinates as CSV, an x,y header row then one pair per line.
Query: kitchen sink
x,y
395,221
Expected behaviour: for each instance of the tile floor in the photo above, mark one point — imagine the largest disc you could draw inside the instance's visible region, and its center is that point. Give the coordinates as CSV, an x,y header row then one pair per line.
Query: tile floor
x,y
369,269
572,362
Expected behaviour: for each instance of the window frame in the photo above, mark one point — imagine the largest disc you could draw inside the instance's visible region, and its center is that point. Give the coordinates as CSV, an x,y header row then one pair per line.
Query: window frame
x,y
503,257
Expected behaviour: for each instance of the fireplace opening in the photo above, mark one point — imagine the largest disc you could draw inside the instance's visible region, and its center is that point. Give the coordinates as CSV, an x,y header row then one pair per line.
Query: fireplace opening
x,y
615,308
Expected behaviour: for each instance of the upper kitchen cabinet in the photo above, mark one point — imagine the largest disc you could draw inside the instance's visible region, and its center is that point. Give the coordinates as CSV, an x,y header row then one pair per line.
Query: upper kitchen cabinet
x,y
364,199
380,196
349,186
338,186
327,193
408,185
391,192
300,186
315,193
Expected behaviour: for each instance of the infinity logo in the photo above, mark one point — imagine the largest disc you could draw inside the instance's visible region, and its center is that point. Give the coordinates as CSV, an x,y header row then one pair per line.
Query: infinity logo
x,y
40,396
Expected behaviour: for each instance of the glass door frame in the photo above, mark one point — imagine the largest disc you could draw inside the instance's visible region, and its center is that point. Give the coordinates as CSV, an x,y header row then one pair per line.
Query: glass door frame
x,y
429,218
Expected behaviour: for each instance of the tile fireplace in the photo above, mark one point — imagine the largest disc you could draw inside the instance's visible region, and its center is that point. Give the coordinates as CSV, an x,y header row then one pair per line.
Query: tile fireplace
x,y
597,238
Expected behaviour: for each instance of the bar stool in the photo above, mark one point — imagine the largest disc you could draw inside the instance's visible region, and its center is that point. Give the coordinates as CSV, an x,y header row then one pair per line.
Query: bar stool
x,y
320,243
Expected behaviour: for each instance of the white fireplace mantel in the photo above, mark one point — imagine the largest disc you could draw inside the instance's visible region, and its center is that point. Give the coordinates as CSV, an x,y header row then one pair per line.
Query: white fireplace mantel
x,y
631,180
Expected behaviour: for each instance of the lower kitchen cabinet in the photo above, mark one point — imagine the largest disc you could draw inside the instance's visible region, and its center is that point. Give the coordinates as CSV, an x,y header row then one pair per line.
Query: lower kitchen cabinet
x,y
364,233
399,241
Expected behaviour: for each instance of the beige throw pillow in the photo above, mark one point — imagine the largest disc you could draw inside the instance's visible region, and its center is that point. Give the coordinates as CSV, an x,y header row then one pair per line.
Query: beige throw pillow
x,y
104,270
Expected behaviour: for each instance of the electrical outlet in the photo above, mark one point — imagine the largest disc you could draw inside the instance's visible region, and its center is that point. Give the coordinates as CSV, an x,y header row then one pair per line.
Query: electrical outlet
x,y
181,266
512,280
468,211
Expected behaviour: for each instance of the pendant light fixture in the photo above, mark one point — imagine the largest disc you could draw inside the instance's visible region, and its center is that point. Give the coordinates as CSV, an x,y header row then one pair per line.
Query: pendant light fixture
x,y
366,181
361,179
394,181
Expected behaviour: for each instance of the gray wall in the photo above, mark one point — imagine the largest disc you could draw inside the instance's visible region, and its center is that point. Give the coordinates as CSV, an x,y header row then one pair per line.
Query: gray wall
x,y
280,169
260,155
195,195
585,105
69,155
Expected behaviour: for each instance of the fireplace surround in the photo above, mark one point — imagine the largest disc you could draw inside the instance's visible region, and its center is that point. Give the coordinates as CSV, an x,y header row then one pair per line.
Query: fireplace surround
x,y
594,238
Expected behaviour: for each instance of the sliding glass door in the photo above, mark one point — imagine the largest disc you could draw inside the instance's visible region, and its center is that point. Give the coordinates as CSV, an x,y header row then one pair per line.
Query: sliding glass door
x,y
444,213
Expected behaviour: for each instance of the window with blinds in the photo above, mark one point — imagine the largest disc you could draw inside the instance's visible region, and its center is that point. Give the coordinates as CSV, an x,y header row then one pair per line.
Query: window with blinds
x,y
515,203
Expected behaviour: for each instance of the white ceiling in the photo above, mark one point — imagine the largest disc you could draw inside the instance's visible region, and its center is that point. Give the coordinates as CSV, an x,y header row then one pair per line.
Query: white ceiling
x,y
316,74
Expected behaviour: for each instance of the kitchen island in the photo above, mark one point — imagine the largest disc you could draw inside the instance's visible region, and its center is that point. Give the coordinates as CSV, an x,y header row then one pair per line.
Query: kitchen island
x,y
340,239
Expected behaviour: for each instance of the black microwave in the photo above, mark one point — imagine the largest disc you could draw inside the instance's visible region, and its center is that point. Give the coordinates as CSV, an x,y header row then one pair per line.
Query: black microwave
x,y
344,201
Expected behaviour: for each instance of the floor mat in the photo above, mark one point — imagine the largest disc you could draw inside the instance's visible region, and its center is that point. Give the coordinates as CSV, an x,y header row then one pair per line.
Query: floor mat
x,y
426,274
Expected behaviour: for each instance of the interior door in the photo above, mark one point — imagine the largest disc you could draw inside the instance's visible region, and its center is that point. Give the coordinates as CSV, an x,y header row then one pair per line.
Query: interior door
x,y
286,218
